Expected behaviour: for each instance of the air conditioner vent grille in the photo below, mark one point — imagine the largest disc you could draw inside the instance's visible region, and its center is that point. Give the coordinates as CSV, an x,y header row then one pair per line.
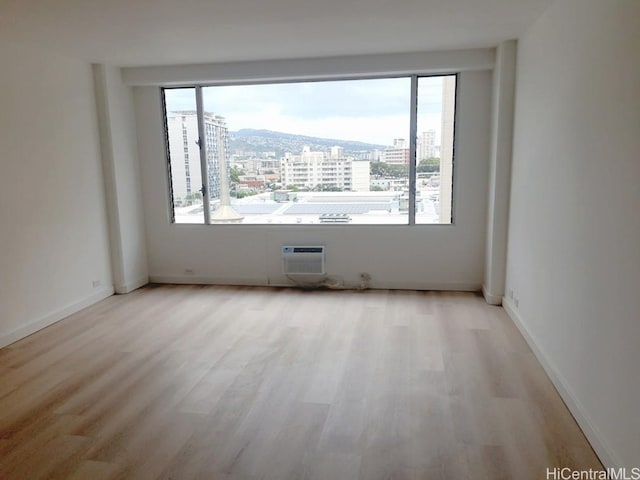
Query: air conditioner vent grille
x,y
306,260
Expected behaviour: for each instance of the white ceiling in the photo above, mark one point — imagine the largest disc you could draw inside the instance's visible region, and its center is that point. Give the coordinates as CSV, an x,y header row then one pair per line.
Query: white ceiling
x,y
160,32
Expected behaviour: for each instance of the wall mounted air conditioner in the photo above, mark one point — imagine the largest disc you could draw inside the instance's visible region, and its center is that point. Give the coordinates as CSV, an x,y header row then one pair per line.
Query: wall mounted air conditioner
x,y
303,260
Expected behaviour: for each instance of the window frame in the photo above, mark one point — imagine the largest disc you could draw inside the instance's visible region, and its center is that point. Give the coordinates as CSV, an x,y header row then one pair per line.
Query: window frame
x,y
413,163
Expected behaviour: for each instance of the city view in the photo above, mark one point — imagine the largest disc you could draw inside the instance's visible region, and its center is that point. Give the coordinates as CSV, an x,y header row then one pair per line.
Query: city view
x,y
312,153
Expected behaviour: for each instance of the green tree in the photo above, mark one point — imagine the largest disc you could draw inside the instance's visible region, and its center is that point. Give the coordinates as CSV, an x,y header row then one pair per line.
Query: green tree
x,y
191,198
236,173
427,165
245,193
385,170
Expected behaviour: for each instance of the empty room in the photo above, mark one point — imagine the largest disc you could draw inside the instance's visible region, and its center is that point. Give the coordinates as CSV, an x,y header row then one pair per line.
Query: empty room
x,y
319,240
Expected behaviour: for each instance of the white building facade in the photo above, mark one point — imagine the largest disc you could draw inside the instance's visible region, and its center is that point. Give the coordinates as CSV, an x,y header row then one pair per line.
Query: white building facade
x,y
396,156
311,170
426,145
184,153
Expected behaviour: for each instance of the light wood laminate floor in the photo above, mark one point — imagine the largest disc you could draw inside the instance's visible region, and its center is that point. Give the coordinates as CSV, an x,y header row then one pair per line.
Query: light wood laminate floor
x,y
194,382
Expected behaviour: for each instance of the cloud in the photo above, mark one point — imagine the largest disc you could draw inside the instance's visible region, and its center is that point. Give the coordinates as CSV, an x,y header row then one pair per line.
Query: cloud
x,y
373,110
180,98
314,100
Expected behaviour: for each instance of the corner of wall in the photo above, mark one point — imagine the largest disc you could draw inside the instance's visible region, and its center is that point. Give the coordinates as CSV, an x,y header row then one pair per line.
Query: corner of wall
x,y
108,169
132,285
53,317
491,298
499,171
579,412
122,179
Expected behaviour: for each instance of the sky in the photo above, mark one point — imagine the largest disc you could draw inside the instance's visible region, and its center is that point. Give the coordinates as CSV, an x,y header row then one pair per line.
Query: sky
x,y
373,111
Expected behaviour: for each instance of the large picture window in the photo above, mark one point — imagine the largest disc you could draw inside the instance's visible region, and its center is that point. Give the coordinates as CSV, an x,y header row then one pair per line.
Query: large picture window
x,y
343,152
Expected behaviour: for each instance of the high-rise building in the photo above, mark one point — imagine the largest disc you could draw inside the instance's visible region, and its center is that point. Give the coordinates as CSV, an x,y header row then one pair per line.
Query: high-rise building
x,y
426,147
396,156
310,169
337,152
377,155
182,129
360,176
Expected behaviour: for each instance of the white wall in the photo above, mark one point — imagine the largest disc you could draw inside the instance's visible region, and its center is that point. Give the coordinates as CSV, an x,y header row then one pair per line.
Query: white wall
x,y
503,95
122,179
53,230
574,237
440,256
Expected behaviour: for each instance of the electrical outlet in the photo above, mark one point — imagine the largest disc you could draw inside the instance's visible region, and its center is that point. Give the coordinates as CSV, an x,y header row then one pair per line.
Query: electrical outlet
x,y
188,271
511,294
517,302
96,283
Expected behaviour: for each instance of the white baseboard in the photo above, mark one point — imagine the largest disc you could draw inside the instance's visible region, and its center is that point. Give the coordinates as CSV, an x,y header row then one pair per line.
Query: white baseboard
x,y
426,286
200,280
34,326
131,286
490,298
600,446
283,282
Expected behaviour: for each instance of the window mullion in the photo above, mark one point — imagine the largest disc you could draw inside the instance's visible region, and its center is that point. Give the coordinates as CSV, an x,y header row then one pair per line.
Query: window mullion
x,y
413,135
204,167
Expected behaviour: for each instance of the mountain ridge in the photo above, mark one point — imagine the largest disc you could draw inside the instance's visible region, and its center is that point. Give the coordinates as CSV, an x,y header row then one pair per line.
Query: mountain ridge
x,y
262,140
